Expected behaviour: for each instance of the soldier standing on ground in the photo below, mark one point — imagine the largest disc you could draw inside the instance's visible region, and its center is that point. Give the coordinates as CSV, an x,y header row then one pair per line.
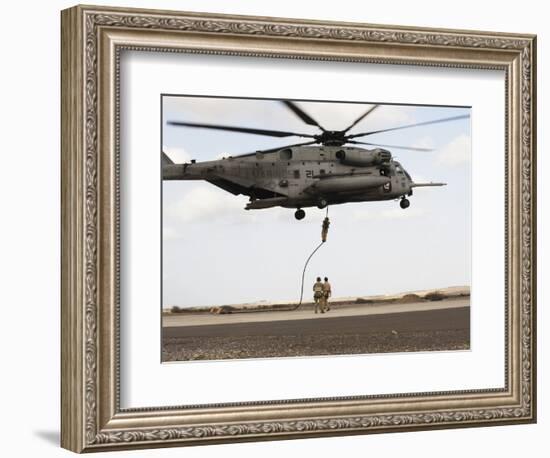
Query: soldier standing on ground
x,y
327,292
318,295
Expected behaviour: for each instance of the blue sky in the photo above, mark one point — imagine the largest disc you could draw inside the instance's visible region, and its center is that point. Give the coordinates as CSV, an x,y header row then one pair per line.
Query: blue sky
x,y
215,252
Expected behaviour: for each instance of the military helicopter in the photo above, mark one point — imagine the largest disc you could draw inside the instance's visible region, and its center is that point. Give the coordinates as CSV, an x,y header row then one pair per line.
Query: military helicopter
x,y
302,175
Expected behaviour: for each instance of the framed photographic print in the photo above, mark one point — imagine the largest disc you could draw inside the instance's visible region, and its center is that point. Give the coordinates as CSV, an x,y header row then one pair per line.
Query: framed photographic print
x,y
278,228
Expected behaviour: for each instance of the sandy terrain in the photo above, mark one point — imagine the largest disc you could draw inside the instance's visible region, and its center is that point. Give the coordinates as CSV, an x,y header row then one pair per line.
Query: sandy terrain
x,y
307,312
451,292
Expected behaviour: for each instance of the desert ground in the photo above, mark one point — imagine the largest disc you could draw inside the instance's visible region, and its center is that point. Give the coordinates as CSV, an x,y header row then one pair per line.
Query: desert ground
x,y
419,321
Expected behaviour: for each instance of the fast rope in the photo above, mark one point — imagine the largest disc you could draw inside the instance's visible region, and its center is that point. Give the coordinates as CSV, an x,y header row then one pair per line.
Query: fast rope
x,y
324,233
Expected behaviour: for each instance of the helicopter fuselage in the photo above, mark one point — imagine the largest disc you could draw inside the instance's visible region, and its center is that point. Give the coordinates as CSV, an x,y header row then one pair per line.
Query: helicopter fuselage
x,y
303,176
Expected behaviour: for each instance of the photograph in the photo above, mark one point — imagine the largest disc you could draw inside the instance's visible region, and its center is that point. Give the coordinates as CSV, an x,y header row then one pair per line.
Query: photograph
x,y
300,228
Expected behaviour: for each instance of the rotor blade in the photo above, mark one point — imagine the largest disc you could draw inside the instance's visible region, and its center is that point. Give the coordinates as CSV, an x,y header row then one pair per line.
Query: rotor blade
x,y
425,123
272,150
302,114
413,148
363,116
245,130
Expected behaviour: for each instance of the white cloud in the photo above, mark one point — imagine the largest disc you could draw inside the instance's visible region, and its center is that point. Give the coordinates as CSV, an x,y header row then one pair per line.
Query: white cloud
x,y
456,152
177,154
204,202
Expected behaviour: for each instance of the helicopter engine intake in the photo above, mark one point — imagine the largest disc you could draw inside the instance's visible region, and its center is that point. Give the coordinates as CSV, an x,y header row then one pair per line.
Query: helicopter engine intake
x,y
362,158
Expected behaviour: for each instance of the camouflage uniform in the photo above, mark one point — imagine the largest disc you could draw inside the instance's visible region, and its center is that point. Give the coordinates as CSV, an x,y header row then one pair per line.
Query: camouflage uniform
x,y
327,292
318,296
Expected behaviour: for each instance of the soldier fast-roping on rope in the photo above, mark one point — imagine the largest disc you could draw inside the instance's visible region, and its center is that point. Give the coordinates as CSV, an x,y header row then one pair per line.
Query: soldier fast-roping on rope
x,y
324,234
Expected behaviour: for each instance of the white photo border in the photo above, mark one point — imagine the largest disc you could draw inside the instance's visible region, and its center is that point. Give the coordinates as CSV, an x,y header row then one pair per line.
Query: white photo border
x,y
139,351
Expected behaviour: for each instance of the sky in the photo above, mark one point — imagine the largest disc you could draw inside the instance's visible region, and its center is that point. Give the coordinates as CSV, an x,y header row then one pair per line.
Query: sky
x,y
216,253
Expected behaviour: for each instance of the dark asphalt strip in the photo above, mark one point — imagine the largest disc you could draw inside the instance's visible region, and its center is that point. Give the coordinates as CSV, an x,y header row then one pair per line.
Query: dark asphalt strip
x,y
429,320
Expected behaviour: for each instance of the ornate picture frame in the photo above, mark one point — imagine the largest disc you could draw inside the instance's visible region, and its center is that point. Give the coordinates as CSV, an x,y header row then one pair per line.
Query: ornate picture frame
x,y
92,41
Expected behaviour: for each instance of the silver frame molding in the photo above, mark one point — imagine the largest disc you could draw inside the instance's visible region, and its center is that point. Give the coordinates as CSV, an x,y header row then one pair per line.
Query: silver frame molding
x,y
92,39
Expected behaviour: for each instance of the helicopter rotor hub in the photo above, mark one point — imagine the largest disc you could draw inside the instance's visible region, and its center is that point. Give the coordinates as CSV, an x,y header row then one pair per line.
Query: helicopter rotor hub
x,y
332,138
